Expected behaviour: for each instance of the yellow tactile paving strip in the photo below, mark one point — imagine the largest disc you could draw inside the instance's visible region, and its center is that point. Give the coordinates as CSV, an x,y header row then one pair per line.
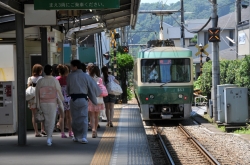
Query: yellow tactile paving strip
x,y
104,150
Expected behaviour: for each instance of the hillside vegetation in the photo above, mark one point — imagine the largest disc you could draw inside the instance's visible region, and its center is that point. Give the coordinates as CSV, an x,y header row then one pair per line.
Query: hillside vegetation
x,y
201,9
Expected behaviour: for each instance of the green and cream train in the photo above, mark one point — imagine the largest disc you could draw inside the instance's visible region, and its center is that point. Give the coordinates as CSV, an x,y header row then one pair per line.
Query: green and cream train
x,y
163,83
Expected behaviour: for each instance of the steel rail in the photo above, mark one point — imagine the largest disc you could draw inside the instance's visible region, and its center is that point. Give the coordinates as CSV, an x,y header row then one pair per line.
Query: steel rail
x,y
163,145
198,145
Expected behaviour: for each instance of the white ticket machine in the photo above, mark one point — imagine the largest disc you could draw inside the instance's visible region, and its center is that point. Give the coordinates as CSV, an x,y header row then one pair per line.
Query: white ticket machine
x,y
8,94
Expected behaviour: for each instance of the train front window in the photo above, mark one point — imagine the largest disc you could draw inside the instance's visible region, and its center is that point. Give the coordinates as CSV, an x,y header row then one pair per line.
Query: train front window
x,y
165,70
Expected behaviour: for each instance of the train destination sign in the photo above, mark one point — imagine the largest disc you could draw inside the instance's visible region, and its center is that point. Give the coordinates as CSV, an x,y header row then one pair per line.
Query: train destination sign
x,y
75,4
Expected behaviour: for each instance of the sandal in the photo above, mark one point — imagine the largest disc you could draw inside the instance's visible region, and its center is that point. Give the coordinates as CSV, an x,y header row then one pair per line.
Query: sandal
x,y
111,124
43,133
63,135
38,135
94,134
71,134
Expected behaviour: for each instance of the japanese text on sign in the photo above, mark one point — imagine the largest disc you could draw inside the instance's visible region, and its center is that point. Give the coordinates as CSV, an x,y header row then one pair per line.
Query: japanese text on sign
x,y
76,4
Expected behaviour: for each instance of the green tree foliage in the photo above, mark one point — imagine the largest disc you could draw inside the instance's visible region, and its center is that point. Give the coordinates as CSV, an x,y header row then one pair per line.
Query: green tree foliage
x,y
194,40
197,84
125,64
206,77
231,71
223,71
242,75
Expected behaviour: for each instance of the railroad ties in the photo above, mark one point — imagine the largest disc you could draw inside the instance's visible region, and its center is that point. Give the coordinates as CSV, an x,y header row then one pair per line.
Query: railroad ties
x,y
180,147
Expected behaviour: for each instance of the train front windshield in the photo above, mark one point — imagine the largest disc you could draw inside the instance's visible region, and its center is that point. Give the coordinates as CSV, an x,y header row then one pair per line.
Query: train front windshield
x,y
165,70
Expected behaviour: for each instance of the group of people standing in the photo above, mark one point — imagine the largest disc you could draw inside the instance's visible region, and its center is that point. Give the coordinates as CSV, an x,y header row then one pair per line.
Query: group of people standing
x,y
72,94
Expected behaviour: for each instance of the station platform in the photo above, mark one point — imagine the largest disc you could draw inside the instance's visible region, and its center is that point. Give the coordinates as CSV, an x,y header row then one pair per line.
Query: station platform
x,y
125,143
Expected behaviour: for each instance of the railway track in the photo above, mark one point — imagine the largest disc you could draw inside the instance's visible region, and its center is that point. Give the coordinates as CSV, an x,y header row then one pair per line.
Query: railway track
x,y
180,147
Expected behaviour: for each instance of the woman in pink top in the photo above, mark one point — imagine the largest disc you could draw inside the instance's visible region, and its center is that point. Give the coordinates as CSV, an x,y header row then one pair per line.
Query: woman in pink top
x,y
63,72
94,110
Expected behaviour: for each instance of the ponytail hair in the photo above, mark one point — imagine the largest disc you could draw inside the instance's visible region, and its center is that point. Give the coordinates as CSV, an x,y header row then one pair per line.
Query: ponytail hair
x,y
105,74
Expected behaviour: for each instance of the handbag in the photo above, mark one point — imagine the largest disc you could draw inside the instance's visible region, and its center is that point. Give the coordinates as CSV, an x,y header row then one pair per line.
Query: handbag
x,y
39,117
30,91
99,100
115,88
103,88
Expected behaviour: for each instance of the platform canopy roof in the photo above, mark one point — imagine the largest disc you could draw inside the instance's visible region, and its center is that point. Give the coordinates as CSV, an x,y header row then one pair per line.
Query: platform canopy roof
x,y
79,22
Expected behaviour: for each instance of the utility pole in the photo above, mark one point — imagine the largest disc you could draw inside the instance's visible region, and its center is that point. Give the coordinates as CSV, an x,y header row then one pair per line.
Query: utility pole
x,y
215,62
237,20
182,25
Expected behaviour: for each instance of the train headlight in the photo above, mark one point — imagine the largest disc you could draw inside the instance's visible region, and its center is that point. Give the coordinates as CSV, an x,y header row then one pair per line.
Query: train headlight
x,y
151,96
180,96
166,109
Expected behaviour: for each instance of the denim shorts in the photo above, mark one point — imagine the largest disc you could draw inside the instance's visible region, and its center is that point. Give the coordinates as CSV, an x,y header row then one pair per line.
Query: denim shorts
x,y
109,99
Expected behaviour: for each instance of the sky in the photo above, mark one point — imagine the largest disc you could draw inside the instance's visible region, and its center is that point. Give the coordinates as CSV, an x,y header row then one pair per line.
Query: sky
x,y
153,1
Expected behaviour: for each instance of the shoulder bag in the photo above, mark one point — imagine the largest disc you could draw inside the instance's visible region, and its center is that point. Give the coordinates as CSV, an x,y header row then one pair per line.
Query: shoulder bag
x,y
30,91
115,89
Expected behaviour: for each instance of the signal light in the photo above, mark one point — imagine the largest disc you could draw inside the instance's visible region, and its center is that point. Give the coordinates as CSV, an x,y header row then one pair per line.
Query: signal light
x,y
185,97
214,34
125,49
146,98
208,59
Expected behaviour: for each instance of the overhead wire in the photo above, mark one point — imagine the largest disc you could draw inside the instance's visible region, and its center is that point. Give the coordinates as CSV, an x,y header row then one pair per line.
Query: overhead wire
x,y
190,30
206,22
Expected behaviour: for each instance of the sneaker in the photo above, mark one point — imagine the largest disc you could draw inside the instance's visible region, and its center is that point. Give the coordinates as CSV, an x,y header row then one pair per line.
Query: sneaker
x,y
84,141
63,135
49,142
75,139
71,134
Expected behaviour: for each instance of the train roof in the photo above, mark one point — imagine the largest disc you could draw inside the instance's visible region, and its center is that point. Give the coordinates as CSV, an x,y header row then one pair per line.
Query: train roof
x,y
165,52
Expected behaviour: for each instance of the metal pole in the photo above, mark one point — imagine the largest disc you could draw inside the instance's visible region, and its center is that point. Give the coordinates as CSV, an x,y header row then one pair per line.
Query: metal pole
x,y
44,46
237,20
201,64
21,103
101,50
182,25
215,63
